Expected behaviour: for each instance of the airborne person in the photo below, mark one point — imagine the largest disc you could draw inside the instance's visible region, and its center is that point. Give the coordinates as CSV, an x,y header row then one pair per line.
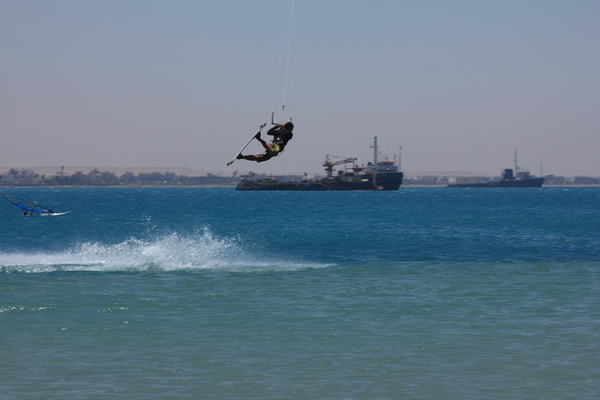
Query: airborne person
x,y
282,134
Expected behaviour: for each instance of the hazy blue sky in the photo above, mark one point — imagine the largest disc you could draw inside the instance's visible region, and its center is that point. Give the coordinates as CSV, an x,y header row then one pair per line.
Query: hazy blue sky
x,y
457,84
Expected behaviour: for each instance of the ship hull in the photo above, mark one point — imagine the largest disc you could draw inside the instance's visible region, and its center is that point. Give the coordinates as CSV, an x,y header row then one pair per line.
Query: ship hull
x,y
505,183
385,181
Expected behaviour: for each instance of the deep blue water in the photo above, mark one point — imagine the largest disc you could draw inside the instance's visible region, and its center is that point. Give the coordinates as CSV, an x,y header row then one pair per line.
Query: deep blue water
x,y
199,293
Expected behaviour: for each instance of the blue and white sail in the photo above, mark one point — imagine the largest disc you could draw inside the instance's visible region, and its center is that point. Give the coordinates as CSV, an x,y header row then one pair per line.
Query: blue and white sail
x,y
30,208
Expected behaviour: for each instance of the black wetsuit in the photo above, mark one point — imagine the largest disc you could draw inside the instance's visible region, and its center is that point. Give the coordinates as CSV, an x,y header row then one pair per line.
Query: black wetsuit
x,y
280,138
280,135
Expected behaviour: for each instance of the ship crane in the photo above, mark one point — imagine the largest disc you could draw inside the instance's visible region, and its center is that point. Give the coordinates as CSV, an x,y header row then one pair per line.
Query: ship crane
x,y
328,164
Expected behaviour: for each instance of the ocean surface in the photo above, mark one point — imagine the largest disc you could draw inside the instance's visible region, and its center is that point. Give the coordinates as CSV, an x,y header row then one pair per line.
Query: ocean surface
x,y
211,293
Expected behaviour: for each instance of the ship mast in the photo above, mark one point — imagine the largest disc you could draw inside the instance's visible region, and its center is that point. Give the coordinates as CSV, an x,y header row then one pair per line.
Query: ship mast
x,y
516,167
375,150
400,158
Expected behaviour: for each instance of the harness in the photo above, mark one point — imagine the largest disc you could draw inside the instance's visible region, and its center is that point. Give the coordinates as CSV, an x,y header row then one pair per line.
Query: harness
x,y
277,147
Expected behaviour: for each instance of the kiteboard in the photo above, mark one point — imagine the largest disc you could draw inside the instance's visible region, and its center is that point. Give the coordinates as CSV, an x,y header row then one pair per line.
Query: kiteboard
x,y
246,145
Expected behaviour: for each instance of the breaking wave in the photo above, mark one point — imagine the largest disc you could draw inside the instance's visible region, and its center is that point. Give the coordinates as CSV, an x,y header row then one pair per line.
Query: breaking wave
x,y
168,252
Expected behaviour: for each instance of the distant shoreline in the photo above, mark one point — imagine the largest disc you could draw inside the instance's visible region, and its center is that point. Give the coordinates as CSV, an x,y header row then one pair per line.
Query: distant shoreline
x,y
229,186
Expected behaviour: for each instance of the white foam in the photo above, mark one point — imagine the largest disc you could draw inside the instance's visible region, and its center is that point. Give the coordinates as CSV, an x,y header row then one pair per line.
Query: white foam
x,y
168,252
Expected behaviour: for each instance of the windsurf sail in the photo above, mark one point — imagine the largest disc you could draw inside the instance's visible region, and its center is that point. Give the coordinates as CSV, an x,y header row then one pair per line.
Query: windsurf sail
x,y
28,207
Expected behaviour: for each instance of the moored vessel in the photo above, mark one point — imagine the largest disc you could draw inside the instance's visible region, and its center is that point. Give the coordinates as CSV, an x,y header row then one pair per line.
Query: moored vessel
x,y
377,175
510,179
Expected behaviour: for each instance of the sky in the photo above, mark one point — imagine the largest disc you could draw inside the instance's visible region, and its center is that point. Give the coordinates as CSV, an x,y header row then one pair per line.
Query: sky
x,y
444,85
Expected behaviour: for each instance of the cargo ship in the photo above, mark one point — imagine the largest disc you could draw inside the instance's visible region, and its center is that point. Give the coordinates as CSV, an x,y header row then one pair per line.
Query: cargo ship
x,y
522,179
377,175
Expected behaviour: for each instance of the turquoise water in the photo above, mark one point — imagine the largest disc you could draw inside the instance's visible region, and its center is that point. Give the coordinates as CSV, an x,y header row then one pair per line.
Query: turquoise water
x,y
200,293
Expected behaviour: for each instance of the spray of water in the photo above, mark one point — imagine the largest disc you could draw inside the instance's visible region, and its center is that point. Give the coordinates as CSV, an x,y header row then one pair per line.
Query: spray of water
x,y
196,251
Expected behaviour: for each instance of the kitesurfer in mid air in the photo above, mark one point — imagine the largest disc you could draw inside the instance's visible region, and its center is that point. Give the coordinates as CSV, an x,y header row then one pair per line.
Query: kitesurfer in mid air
x,y
282,134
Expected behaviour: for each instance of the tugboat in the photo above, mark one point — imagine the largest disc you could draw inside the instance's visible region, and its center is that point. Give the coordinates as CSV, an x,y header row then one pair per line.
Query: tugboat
x,y
523,179
378,175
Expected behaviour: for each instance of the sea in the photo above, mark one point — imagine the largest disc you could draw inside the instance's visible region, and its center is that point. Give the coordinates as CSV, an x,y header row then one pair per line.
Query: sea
x,y
212,293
